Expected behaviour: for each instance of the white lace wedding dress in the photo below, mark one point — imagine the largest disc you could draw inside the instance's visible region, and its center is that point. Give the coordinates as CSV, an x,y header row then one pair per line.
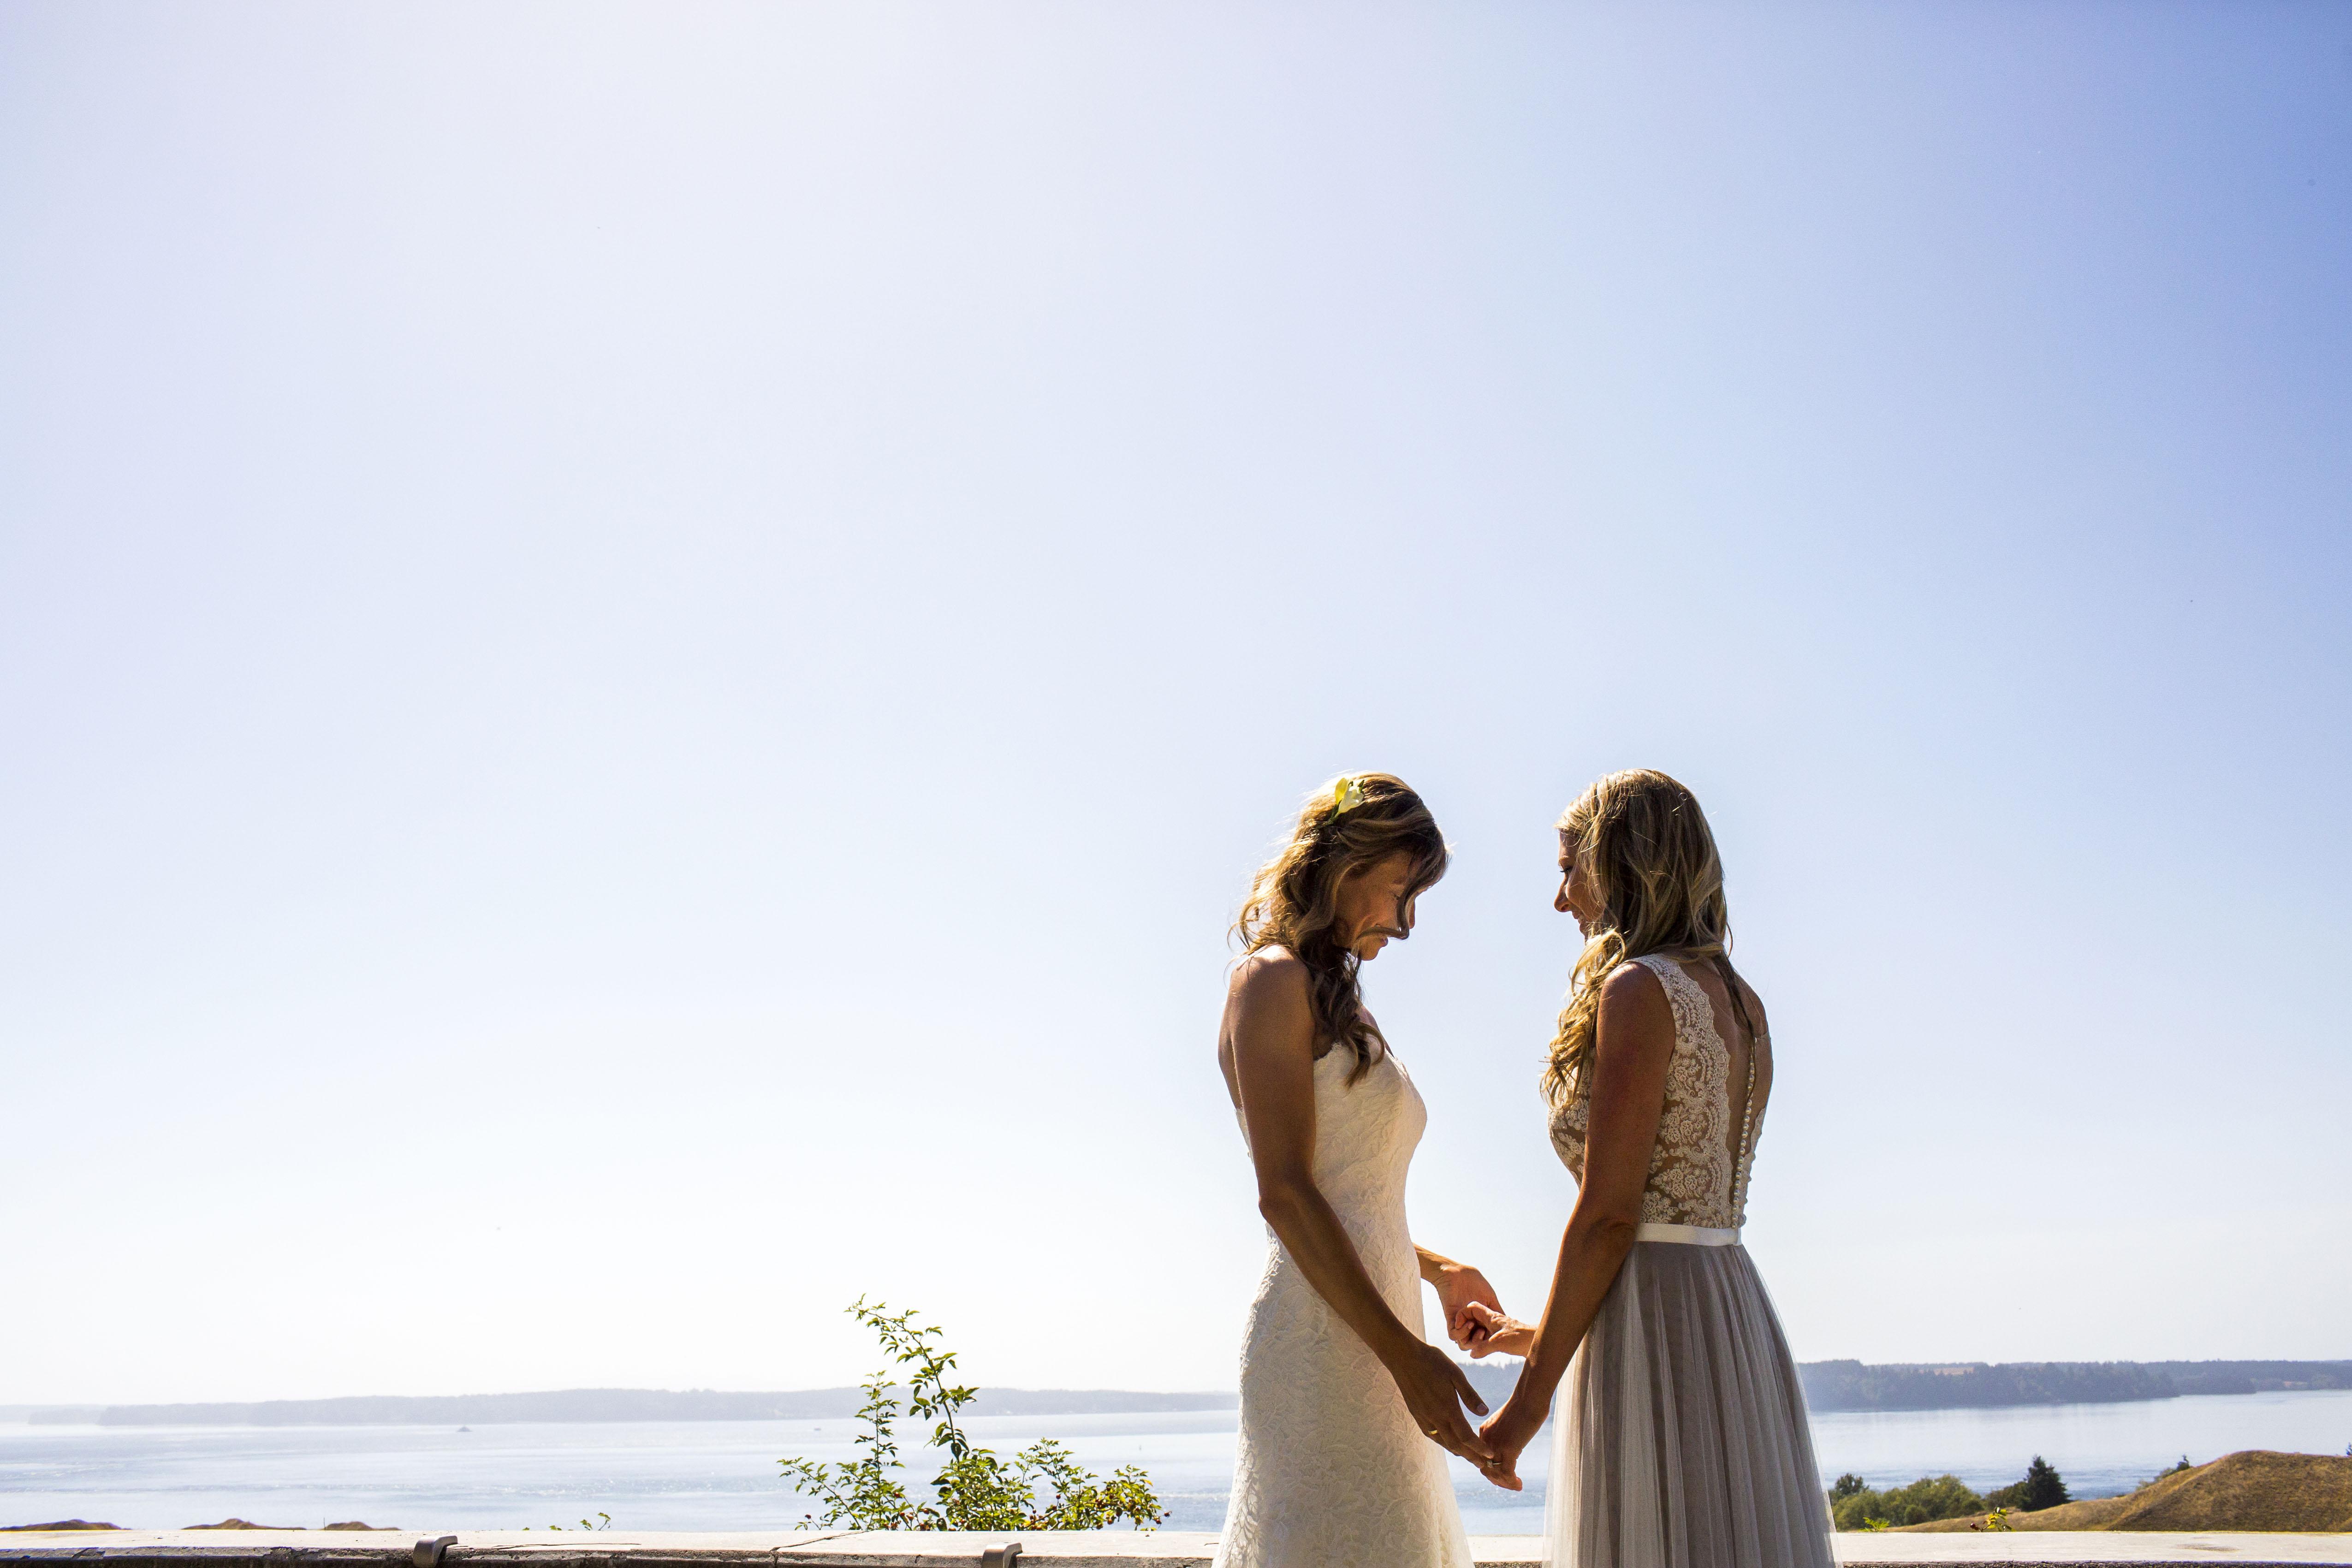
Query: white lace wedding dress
x,y
1679,1437
1330,1471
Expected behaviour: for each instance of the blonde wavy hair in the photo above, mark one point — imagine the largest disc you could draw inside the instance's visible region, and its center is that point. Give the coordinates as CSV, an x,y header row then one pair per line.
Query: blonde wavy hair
x,y
1651,860
1351,821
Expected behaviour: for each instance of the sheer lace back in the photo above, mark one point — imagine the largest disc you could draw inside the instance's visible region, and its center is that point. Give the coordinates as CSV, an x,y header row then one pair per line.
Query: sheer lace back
x,y
1698,1173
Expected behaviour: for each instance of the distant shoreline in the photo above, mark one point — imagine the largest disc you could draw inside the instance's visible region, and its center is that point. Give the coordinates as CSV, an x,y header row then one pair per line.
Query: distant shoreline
x,y
1971,1385
574,1405
1830,1385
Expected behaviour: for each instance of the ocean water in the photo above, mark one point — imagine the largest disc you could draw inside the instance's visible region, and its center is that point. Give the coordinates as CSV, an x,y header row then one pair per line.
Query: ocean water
x,y
722,1475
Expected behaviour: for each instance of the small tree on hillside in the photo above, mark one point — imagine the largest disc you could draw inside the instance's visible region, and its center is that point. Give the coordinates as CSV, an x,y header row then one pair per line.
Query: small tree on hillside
x,y
2042,1488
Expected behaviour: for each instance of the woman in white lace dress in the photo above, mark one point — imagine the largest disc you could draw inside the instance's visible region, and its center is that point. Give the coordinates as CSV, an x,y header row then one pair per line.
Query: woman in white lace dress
x,y
1682,1440
1344,1403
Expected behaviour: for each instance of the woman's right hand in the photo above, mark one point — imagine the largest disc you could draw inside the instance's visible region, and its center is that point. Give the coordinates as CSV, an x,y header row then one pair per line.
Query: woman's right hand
x,y
1496,1332
1435,1390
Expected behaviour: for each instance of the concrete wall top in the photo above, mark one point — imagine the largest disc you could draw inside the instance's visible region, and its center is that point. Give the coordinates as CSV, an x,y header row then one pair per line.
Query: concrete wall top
x,y
1042,1549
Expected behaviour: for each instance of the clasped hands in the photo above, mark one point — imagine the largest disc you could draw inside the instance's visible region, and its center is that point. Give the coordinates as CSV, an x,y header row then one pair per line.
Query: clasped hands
x,y
1476,1323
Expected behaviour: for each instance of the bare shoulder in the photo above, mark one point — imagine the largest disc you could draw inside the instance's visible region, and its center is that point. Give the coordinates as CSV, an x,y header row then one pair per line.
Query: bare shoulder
x,y
1632,988
1755,1005
1269,1019
1269,965
1270,982
1266,976
1634,1008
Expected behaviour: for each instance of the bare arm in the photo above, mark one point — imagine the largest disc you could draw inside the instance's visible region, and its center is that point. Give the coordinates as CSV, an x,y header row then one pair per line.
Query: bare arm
x,y
1460,1290
1270,1032
1632,1049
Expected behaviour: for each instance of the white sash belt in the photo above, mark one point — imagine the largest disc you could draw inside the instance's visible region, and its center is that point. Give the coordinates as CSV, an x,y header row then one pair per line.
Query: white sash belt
x,y
1689,1235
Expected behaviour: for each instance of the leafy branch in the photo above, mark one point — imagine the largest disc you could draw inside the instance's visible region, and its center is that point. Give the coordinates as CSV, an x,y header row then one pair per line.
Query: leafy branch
x,y
977,1488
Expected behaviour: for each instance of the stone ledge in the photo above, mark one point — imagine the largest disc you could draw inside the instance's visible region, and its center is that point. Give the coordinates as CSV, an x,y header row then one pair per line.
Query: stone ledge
x,y
1050,1549
2110,1549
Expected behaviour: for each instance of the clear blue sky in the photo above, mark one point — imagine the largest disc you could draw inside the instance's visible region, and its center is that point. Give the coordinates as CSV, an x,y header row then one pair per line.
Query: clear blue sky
x,y
644,649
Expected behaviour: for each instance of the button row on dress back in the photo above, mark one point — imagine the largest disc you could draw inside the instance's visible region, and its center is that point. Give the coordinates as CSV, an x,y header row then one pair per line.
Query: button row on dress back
x,y
1746,1132
1746,1127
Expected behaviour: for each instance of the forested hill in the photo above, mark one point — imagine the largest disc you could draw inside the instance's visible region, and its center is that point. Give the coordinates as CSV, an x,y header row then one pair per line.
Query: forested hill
x,y
1852,1386
1959,1385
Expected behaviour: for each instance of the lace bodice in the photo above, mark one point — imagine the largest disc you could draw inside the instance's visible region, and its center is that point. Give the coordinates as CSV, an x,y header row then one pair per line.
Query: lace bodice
x,y
1692,1179
1365,1134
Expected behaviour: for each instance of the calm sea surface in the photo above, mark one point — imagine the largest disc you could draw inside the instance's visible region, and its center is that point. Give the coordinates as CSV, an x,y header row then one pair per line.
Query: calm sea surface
x,y
721,1475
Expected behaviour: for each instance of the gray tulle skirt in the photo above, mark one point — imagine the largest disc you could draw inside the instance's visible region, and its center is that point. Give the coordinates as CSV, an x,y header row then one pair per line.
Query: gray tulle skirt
x,y
1680,1437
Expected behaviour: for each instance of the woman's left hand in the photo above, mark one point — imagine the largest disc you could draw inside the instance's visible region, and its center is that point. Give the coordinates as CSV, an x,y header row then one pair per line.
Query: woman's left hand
x,y
1508,1432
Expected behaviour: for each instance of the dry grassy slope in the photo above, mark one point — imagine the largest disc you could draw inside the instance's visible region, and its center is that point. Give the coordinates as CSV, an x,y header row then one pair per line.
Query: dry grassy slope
x,y
2253,1490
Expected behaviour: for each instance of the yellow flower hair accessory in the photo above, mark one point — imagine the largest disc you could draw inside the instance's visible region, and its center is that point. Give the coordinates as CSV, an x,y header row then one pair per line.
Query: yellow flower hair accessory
x,y
1348,794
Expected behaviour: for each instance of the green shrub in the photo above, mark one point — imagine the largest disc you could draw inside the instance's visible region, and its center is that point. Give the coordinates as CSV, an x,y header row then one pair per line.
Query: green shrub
x,y
977,1488
1929,1497
1856,1506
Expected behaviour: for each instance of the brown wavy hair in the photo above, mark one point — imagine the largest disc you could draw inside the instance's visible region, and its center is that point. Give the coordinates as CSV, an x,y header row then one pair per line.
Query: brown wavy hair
x,y
1349,823
1645,845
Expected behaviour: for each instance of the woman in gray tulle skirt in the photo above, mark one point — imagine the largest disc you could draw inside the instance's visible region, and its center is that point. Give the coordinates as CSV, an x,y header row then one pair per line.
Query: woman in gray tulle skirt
x,y
1682,1440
